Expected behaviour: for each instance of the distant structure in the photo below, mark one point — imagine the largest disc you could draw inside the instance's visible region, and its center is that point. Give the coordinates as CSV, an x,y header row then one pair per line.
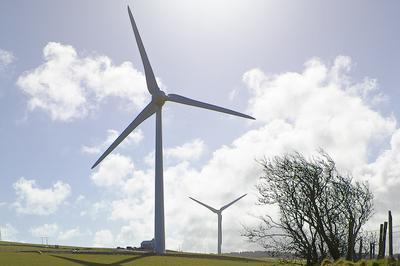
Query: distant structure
x,y
147,244
219,213
45,240
158,98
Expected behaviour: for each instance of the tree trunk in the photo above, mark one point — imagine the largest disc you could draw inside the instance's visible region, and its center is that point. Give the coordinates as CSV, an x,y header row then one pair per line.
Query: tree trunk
x,y
350,241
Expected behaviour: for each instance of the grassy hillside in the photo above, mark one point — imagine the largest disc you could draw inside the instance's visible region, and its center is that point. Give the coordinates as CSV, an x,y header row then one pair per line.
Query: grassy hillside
x,y
381,262
38,255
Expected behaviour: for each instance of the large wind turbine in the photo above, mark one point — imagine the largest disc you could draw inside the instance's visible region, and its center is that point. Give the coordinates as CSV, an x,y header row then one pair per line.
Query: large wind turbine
x,y
158,98
219,213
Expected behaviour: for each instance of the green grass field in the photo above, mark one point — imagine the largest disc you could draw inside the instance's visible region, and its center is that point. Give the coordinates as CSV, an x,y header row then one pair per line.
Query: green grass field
x,y
38,255
21,254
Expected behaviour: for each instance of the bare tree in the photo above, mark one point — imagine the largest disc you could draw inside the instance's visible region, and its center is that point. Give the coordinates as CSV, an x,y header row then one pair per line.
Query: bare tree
x,y
321,211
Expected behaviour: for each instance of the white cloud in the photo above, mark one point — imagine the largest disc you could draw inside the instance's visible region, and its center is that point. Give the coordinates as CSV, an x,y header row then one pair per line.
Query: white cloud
x,y
191,150
129,209
68,86
46,230
90,149
99,207
32,199
6,58
134,233
233,94
8,232
53,231
124,209
320,107
103,238
113,171
383,175
134,138
96,210
149,158
79,198
70,234
188,151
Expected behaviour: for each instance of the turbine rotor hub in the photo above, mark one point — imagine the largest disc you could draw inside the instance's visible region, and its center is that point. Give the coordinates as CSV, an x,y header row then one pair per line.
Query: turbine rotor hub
x,y
160,98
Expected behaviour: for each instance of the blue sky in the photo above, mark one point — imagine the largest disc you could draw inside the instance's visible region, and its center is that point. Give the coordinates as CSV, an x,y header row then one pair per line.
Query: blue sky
x,y
314,74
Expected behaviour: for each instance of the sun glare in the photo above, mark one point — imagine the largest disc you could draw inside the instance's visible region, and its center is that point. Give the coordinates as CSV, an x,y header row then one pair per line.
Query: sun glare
x,y
219,13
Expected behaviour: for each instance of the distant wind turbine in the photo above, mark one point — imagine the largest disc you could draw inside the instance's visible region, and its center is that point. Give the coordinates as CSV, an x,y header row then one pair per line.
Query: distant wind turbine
x,y
219,213
158,98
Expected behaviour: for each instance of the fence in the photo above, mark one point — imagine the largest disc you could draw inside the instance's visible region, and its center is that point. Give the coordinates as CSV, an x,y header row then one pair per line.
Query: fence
x,y
382,242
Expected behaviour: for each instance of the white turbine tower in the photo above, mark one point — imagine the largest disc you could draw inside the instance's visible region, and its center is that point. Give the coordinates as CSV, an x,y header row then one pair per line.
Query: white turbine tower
x,y
219,213
158,98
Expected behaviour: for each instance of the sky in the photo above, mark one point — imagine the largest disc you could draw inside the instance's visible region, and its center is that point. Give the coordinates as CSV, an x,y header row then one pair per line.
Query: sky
x,y
314,74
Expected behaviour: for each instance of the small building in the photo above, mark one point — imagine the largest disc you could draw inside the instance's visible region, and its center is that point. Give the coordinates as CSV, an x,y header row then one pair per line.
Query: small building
x,y
147,244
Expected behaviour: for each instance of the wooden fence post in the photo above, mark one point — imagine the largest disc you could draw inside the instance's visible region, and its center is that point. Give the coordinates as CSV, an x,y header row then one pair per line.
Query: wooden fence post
x,y
380,241
390,235
370,250
385,225
373,250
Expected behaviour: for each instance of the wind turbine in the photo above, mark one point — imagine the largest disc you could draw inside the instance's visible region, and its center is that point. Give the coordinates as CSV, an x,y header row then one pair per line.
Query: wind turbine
x,y
219,213
158,98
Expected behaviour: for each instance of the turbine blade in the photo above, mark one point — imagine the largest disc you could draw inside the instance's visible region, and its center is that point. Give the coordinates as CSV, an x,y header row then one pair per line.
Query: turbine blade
x,y
148,71
144,114
205,205
229,204
180,99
